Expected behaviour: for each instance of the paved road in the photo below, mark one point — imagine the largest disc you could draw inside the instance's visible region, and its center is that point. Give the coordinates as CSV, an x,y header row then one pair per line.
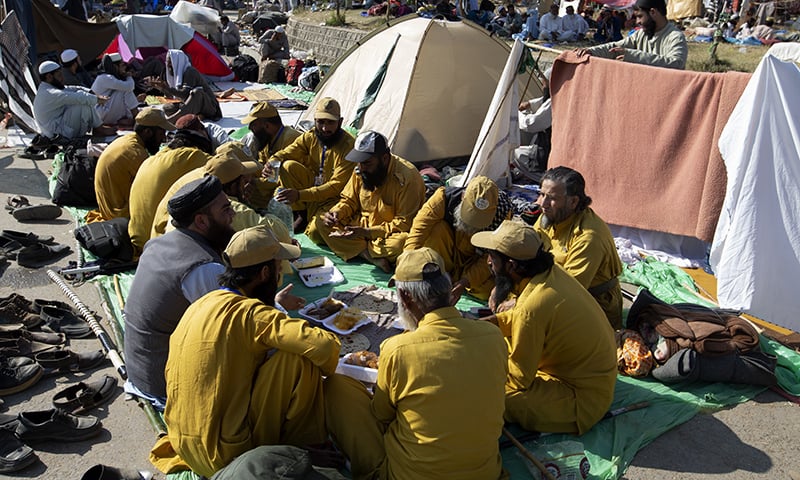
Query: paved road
x,y
754,440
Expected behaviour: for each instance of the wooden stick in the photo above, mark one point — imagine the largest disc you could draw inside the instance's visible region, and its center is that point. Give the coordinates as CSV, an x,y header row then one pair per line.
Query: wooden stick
x,y
528,455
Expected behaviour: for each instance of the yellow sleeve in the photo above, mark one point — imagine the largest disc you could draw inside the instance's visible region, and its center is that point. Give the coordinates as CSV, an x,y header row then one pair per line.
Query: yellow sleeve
x,y
337,172
409,194
298,150
525,347
431,213
349,202
383,405
294,335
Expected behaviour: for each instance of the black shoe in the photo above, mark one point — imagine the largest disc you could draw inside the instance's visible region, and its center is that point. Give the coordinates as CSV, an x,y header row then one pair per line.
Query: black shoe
x,y
38,255
26,239
104,472
14,455
59,320
16,379
56,424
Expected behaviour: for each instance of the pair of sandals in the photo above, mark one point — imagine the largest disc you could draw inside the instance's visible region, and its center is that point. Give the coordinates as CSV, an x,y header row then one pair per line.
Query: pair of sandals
x,y
22,210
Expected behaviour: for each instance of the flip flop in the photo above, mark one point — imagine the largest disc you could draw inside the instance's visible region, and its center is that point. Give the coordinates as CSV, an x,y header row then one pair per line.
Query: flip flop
x,y
82,397
15,202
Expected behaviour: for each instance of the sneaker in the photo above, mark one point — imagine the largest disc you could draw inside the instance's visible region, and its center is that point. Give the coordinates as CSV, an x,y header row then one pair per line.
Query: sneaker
x,y
14,455
19,378
56,424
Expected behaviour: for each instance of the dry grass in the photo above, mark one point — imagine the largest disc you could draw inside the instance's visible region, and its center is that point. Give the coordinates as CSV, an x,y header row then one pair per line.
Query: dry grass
x,y
730,57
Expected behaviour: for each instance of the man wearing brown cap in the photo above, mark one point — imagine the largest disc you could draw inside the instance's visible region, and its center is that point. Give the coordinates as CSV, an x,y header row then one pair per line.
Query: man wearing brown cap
x,y
242,373
580,241
175,270
234,168
376,208
658,42
119,162
313,171
437,410
268,135
447,221
189,149
562,363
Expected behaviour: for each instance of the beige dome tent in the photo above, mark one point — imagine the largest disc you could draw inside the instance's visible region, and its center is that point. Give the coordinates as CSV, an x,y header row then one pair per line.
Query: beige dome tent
x,y
434,81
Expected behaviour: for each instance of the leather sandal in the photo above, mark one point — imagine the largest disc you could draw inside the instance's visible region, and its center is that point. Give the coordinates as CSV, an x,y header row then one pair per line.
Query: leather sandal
x,y
65,360
22,347
37,212
38,303
83,396
15,331
26,239
64,321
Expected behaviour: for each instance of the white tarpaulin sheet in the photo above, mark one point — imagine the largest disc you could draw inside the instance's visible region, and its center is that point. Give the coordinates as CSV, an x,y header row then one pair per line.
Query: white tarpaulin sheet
x,y
153,31
499,134
756,249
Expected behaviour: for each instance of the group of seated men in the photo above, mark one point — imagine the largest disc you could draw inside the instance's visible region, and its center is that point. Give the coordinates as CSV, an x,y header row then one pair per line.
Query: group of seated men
x,y
70,104
209,339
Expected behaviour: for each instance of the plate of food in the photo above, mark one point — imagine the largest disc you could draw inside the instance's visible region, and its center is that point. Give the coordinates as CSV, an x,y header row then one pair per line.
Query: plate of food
x,y
361,365
370,299
316,271
322,310
353,342
346,320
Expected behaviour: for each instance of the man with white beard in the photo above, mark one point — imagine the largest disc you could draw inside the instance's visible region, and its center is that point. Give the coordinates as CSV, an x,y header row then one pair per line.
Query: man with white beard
x,y
446,222
444,370
580,240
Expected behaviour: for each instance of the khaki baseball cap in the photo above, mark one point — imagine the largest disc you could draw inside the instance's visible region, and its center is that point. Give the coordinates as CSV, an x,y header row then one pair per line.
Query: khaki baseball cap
x,y
417,265
479,203
228,167
260,110
153,117
238,149
514,239
256,245
328,109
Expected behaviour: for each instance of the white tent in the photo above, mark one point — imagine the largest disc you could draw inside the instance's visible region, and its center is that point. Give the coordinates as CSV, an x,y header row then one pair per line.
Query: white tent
x,y
756,249
434,82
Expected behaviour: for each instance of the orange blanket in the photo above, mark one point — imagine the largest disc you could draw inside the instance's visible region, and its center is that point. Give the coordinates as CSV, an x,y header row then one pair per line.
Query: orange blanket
x,y
645,139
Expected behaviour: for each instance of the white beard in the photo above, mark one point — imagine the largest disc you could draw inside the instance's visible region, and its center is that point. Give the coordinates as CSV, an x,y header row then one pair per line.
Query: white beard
x,y
407,321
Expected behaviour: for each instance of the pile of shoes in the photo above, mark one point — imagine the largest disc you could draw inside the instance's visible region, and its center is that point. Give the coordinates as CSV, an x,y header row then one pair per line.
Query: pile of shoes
x,y
33,335
30,250
55,424
42,147
22,210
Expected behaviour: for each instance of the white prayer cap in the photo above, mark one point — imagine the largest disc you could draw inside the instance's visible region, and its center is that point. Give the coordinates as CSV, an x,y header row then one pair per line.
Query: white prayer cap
x,y
68,55
115,57
48,66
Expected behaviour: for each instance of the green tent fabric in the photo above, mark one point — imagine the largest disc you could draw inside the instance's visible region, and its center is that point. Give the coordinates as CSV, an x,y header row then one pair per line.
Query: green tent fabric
x,y
373,88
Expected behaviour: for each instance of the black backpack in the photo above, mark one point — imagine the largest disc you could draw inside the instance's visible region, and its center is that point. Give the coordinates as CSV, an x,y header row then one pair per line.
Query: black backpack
x,y
75,182
107,240
246,68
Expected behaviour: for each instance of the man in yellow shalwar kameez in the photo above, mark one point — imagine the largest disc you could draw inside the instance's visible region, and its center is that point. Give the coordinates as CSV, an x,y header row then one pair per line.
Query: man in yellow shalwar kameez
x,y
313,170
240,373
376,208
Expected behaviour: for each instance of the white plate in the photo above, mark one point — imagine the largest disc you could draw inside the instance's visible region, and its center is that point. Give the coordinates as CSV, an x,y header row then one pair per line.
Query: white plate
x,y
364,374
330,325
303,312
324,275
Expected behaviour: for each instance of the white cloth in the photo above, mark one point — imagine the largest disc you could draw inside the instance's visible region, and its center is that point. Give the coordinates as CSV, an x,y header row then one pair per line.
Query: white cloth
x,y
121,99
180,62
548,25
538,116
68,112
201,280
756,249
217,134
574,23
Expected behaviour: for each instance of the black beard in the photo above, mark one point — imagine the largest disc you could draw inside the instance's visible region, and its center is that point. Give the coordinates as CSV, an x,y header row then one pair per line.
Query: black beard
x,y
502,288
649,28
262,137
266,292
151,146
219,235
371,181
57,84
330,140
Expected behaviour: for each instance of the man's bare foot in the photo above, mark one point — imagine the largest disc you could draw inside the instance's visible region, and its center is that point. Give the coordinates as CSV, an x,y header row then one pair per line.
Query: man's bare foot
x,y
227,93
382,263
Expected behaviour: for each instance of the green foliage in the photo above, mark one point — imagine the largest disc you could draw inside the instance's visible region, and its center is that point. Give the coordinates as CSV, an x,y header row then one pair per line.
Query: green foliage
x,y
336,19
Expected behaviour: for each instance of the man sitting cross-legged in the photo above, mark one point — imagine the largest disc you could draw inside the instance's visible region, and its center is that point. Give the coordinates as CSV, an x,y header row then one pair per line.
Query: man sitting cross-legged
x,y
437,411
240,373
